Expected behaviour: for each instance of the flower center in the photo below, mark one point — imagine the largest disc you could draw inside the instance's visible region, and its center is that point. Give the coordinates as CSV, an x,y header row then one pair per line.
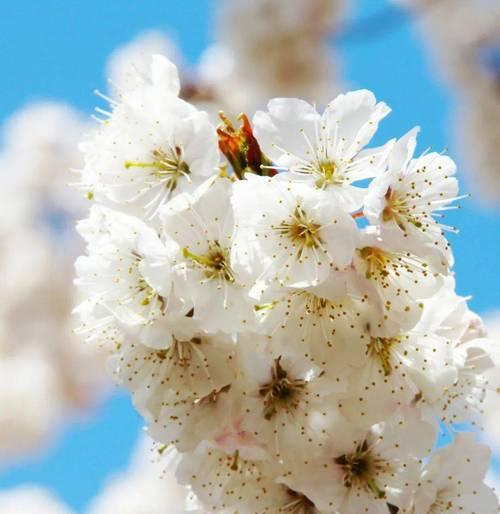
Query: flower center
x,y
301,230
359,469
376,260
141,288
179,351
397,209
215,263
381,348
315,305
166,166
146,291
281,392
327,174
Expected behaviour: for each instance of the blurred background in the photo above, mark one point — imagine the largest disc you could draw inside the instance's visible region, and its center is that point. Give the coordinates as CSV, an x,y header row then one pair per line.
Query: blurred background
x,y
69,440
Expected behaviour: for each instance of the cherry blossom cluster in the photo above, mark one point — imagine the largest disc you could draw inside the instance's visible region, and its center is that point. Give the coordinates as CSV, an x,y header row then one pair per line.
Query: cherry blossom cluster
x,y
46,374
469,61
282,305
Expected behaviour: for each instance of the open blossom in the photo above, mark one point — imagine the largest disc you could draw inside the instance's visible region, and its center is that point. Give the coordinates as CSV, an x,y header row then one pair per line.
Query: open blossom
x,y
285,402
202,226
396,371
325,323
413,191
290,327
394,276
325,150
175,385
452,481
152,146
458,393
289,235
126,274
219,479
365,471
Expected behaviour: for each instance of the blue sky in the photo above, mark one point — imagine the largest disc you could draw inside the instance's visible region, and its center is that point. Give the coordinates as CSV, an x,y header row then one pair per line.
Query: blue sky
x,y
57,49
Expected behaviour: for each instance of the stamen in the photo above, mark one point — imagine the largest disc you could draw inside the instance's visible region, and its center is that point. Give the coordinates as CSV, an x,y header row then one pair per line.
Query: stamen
x,y
301,230
215,262
281,392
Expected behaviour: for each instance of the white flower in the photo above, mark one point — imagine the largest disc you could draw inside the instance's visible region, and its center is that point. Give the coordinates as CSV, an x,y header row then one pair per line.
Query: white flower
x,y
396,371
222,480
126,274
325,150
202,226
284,399
365,471
395,276
452,481
174,386
413,191
289,235
152,145
448,315
325,323
462,400
475,358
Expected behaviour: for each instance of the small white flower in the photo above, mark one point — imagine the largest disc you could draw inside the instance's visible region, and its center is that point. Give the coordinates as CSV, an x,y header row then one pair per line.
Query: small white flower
x,y
222,480
325,323
462,400
202,226
152,145
289,235
365,471
173,386
126,275
452,481
396,371
325,150
395,276
284,399
413,192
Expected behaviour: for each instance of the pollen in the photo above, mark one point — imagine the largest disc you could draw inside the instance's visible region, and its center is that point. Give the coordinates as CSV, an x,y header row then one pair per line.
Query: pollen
x,y
301,230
